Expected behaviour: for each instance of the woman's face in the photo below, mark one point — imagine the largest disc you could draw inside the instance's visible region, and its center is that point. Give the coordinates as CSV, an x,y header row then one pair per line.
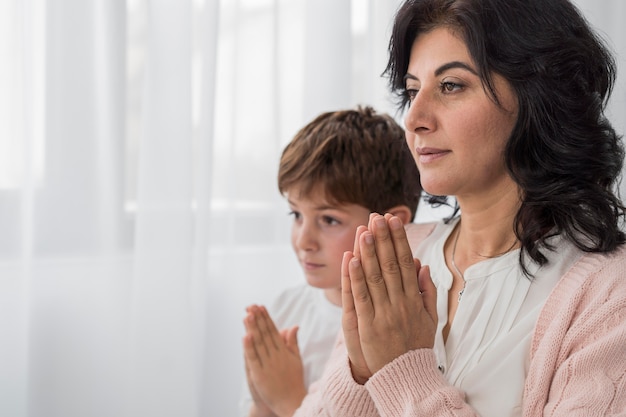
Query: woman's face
x,y
456,133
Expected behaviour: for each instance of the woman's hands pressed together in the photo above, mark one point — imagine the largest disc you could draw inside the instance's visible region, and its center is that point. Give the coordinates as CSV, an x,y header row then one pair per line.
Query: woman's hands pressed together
x,y
389,300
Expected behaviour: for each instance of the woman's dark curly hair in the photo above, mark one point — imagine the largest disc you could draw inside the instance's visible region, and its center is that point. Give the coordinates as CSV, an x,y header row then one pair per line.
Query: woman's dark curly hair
x,y
563,153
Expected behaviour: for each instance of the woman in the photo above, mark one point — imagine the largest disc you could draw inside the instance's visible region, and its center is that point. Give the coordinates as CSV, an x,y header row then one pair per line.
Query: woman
x,y
520,303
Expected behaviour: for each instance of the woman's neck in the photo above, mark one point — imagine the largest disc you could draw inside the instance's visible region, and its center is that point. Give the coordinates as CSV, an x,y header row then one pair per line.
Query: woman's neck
x,y
486,228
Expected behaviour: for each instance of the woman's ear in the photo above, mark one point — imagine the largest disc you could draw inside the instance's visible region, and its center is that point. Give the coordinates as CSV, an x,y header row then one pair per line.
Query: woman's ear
x,y
402,212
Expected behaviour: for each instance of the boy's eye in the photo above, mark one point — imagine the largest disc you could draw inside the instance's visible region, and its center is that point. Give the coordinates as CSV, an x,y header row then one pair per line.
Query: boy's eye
x,y
294,214
330,220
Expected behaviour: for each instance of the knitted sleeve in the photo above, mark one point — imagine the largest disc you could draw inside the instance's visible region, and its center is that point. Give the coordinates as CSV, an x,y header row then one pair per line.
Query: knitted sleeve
x,y
411,385
336,393
578,354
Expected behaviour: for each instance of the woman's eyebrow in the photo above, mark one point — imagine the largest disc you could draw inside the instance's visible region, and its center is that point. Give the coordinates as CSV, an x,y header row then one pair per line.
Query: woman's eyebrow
x,y
408,76
444,68
454,64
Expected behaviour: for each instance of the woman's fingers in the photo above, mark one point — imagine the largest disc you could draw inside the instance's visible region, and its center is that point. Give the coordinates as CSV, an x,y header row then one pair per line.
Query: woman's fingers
x,y
367,275
354,291
347,299
388,262
357,237
404,257
428,291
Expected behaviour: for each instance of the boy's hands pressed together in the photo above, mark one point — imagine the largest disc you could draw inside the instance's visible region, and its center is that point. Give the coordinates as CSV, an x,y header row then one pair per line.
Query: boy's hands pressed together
x,y
273,365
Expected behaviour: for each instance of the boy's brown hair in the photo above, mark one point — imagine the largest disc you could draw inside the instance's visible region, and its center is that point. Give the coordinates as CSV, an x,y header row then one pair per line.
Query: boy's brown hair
x,y
354,157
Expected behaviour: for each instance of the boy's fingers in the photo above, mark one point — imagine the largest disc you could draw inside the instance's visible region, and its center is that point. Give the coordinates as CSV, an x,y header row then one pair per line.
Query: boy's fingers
x,y
251,357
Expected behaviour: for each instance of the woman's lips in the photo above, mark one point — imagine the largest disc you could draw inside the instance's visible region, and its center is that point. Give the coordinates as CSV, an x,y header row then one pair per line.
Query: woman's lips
x,y
426,155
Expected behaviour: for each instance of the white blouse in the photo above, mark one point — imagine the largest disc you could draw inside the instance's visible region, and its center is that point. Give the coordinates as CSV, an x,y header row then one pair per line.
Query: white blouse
x,y
486,353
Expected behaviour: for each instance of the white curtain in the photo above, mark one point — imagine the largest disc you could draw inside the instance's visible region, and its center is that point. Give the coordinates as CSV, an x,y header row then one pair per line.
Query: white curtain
x,y
139,215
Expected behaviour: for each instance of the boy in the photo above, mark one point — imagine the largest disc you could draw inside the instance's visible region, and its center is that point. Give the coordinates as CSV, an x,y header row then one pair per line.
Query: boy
x,y
336,171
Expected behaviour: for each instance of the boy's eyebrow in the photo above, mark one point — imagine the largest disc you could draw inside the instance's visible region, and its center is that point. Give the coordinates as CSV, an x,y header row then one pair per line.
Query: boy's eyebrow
x,y
445,67
323,206
328,207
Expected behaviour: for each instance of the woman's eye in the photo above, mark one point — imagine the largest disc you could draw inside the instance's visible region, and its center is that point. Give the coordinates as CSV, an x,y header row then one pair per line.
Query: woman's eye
x,y
450,87
411,93
295,215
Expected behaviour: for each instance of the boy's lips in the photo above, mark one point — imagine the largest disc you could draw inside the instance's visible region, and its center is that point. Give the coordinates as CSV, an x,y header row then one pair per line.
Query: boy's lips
x,y
311,265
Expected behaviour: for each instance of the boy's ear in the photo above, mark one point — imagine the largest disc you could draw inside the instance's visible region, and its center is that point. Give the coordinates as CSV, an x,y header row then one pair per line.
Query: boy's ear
x,y
402,212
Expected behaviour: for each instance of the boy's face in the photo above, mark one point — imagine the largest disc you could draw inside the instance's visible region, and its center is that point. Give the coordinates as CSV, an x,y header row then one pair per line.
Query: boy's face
x,y
321,232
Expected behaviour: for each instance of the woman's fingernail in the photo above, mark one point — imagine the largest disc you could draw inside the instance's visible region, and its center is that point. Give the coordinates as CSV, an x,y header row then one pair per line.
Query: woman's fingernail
x,y
395,223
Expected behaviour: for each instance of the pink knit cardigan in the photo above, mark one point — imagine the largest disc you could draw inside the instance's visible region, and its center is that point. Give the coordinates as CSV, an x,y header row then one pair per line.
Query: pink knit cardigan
x,y
577,358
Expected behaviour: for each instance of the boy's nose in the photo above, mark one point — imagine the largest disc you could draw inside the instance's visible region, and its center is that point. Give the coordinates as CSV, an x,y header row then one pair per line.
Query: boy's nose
x,y
307,238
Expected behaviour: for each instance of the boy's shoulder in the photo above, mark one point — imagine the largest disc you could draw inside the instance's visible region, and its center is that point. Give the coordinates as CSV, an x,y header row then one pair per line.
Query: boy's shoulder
x,y
296,298
298,290
303,304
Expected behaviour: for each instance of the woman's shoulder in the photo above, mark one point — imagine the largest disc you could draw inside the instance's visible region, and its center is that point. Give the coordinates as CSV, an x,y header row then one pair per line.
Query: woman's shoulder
x,y
594,285
606,269
593,275
580,332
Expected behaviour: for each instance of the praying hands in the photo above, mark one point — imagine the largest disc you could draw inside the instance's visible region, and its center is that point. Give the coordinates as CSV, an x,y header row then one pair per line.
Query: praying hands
x,y
389,300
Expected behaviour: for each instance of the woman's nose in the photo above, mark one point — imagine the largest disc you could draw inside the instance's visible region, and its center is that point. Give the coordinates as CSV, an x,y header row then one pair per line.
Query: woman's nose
x,y
419,116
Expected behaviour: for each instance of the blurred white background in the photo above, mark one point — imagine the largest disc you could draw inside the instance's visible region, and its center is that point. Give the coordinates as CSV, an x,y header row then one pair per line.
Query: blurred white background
x,y
139,213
